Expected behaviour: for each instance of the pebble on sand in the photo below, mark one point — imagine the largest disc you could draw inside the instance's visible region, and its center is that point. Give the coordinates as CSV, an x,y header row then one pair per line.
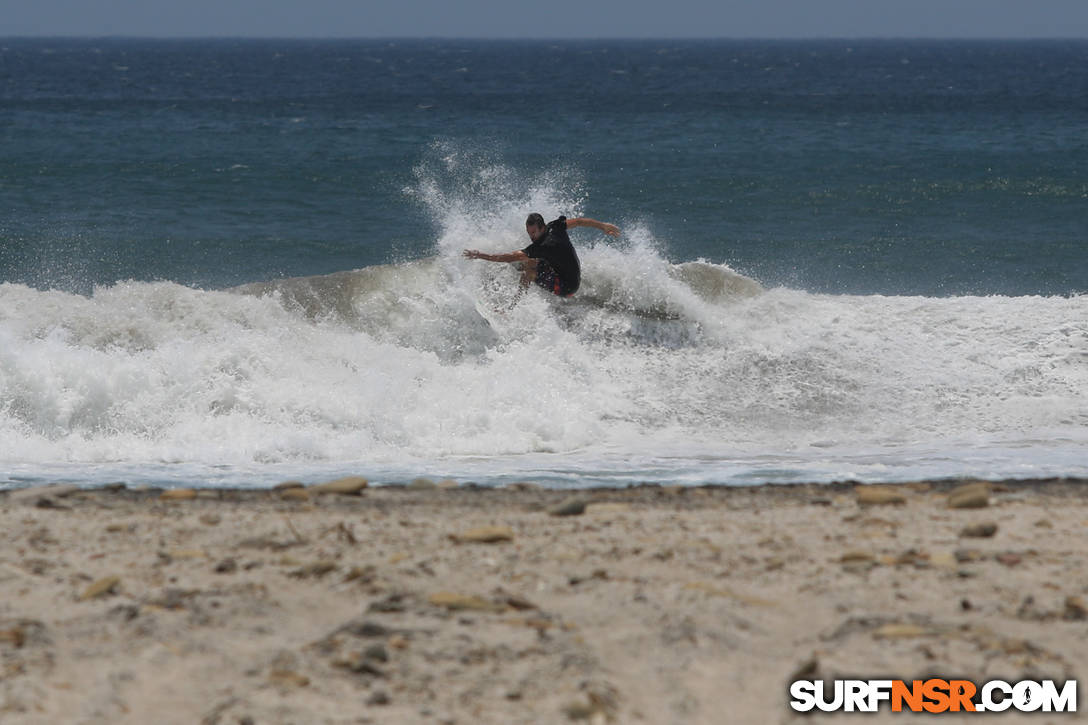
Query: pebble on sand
x,y
879,496
970,496
980,531
288,485
15,636
100,588
1075,608
575,506
485,535
226,566
288,678
294,494
178,494
348,486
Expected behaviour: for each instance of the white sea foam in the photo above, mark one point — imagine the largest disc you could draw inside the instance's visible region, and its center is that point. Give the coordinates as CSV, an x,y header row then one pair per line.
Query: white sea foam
x,y
648,381
655,371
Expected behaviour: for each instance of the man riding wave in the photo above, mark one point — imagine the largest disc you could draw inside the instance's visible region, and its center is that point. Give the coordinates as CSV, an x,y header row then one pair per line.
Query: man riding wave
x,y
550,260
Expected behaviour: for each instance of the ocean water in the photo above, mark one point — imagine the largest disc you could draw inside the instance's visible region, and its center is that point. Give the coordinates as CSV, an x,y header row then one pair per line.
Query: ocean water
x,y
235,262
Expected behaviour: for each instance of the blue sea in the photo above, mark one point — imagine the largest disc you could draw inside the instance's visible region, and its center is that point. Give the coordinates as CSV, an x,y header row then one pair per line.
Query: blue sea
x,y
234,262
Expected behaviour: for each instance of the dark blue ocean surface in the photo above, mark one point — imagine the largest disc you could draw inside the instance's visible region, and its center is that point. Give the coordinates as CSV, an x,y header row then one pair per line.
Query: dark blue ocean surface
x,y
890,167
237,262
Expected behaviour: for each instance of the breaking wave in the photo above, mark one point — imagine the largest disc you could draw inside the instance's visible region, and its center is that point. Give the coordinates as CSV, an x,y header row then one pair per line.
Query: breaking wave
x,y
685,372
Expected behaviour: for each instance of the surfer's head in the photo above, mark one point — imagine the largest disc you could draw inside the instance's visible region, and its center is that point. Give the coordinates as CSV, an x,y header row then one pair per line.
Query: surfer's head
x,y
535,226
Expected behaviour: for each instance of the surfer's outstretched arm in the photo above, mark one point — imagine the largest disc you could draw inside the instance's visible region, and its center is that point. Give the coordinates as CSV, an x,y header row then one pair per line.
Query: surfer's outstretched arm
x,y
610,229
518,256
528,267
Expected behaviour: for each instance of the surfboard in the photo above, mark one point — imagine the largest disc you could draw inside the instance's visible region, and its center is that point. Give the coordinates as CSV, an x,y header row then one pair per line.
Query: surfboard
x,y
493,298
490,314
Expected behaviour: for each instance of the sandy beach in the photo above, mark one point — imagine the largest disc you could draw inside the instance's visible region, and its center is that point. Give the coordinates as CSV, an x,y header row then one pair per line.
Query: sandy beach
x,y
438,603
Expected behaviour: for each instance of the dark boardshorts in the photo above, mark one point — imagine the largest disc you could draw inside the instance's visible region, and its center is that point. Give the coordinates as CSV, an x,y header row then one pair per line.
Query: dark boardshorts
x,y
549,280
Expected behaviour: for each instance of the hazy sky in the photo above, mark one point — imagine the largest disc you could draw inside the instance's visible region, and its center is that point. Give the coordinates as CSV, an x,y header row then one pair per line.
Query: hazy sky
x,y
549,18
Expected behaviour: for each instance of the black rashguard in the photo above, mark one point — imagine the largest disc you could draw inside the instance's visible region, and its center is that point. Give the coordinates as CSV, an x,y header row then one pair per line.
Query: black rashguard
x,y
565,274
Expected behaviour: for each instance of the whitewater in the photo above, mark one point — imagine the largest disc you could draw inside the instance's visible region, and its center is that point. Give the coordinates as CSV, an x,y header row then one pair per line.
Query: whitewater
x,y
673,373
656,371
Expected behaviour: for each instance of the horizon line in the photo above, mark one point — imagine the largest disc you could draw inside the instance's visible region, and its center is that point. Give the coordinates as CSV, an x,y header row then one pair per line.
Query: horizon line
x,y
546,39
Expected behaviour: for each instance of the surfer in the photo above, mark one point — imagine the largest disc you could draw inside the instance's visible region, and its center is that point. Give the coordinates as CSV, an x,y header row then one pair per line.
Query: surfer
x,y
550,261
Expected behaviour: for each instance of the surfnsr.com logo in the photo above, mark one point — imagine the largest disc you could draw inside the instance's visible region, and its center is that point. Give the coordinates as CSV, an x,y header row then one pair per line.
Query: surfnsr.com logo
x,y
933,696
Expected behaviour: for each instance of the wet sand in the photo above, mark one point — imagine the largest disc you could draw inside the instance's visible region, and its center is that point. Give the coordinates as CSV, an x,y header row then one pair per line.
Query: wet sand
x,y
434,604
